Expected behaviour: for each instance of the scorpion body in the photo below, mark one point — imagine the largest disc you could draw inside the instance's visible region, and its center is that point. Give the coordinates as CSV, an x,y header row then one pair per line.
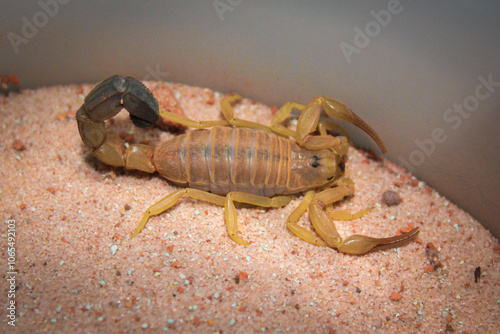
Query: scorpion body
x,y
226,159
234,160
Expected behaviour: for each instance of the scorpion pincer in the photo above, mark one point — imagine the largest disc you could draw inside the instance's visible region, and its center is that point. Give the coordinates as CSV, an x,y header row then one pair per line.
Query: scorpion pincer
x,y
234,160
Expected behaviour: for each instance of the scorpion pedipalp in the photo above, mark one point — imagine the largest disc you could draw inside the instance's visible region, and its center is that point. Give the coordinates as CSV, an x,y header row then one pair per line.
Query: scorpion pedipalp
x,y
361,244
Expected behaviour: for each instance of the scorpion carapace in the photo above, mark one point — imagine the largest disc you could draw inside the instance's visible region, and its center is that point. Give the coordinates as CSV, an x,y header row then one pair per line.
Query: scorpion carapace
x,y
234,160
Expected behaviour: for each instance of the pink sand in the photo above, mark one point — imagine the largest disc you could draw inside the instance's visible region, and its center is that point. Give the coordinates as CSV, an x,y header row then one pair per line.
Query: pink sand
x,y
79,273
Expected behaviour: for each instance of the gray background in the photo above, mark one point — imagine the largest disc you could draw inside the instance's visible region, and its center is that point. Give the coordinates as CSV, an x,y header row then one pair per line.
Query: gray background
x,y
423,60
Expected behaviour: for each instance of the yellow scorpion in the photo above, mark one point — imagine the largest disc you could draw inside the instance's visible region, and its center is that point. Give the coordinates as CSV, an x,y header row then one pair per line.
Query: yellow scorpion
x,y
235,160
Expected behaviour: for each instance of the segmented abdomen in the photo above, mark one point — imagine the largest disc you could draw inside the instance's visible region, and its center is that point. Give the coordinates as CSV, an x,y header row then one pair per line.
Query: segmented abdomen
x,y
225,159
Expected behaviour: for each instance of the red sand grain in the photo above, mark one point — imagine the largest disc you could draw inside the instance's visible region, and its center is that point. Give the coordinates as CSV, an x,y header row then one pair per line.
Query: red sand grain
x,y
396,296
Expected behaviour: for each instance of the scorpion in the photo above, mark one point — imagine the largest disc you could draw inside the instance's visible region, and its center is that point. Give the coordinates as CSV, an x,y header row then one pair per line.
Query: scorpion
x,y
235,160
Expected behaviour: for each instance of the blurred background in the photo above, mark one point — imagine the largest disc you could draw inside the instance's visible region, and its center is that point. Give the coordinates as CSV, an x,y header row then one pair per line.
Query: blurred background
x,y
424,75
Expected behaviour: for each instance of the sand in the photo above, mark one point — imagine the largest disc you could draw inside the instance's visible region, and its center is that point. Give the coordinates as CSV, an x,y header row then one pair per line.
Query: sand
x,y
77,271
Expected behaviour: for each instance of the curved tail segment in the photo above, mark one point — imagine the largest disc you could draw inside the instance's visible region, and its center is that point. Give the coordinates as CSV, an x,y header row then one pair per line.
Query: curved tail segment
x,y
105,101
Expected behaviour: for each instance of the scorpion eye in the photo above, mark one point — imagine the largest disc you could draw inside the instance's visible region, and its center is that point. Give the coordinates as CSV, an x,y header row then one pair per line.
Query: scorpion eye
x,y
342,166
315,162
331,177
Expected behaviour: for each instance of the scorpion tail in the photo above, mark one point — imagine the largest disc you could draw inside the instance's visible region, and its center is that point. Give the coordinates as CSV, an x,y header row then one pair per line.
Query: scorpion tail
x,y
105,101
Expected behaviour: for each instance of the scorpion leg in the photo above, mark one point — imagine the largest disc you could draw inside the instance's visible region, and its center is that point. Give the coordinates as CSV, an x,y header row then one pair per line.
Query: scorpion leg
x,y
354,244
230,210
227,201
321,223
343,146
327,232
190,122
171,199
306,124
345,215
281,115
227,111
347,185
298,230
324,126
